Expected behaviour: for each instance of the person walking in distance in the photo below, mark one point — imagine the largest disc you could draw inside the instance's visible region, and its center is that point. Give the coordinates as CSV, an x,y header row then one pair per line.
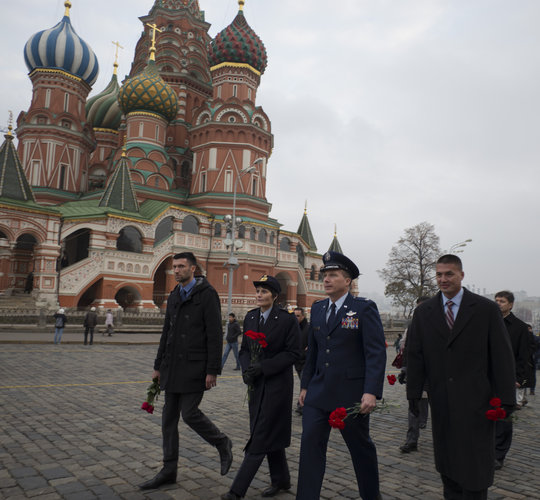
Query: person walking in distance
x,y
233,332
187,363
90,322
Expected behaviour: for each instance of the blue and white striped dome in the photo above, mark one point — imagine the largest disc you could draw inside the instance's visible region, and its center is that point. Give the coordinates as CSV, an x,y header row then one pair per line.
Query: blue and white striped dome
x,y
61,48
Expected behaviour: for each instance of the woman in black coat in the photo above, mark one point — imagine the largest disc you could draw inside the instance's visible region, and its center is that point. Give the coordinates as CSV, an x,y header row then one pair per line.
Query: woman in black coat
x,y
269,375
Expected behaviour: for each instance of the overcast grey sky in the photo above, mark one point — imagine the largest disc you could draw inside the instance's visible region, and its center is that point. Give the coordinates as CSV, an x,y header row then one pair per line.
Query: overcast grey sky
x,y
385,113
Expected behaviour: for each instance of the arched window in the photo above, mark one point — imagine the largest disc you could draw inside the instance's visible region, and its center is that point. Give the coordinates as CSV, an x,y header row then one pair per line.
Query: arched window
x,y
184,172
241,232
300,254
25,242
313,272
263,235
129,240
285,244
217,229
252,234
163,230
321,275
190,225
272,237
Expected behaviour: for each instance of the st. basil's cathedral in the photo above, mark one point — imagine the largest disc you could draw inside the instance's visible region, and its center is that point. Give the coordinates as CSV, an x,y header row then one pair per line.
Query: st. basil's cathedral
x,y
102,191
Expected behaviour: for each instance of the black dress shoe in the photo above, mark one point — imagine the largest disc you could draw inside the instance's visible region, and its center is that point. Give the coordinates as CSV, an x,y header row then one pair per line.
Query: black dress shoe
x,y
275,489
498,464
230,496
162,477
408,447
225,456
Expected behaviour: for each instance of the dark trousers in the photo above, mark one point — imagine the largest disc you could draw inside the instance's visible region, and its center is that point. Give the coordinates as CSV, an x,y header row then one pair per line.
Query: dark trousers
x,y
413,431
88,330
188,405
503,439
315,434
277,463
453,491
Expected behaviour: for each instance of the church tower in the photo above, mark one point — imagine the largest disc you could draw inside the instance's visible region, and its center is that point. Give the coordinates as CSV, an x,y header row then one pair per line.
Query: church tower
x,y
231,136
55,139
181,59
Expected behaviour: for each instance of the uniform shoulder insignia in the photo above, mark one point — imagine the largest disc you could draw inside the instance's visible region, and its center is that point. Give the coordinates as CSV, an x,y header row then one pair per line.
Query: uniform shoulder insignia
x,y
361,299
318,301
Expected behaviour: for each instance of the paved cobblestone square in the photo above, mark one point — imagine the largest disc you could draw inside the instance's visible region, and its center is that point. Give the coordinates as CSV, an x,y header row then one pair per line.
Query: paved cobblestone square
x,y
72,428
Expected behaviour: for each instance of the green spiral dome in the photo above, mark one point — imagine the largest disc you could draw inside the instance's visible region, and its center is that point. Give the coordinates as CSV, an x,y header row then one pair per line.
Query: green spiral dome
x,y
147,91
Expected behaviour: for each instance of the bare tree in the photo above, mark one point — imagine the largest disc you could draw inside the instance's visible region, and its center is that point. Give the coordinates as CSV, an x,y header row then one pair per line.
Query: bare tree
x,y
410,269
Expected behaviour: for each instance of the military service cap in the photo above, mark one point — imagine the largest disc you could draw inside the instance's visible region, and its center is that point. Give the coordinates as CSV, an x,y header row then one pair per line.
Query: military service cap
x,y
267,281
336,260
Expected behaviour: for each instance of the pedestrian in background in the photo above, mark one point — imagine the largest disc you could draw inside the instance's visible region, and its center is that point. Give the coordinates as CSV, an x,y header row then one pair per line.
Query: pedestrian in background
x,y
109,322
90,322
60,321
233,332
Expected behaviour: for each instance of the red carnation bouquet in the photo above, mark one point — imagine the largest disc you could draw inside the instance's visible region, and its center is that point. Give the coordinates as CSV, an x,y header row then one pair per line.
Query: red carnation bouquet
x,y
391,379
152,394
257,342
338,416
496,412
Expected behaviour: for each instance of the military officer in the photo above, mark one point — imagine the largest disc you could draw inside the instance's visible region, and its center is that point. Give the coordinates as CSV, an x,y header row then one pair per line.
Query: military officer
x,y
345,364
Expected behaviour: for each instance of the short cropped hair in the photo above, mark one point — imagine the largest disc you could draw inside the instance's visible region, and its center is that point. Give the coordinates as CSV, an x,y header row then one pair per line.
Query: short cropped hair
x,y
451,259
301,309
232,314
505,294
188,256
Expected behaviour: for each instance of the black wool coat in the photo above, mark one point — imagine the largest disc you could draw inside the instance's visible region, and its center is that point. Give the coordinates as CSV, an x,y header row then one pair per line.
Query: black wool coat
x,y
191,340
519,338
464,368
270,404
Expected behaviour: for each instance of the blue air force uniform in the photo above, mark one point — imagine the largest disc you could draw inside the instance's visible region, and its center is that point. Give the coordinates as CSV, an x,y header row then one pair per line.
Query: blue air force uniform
x,y
346,359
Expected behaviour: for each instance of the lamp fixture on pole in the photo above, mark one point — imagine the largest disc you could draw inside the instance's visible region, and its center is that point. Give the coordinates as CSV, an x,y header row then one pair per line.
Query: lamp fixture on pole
x,y
231,241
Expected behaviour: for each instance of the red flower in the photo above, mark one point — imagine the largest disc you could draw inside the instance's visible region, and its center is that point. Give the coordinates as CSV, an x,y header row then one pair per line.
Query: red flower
x,y
492,415
335,422
144,405
255,335
150,409
263,343
501,413
391,379
495,402
340,413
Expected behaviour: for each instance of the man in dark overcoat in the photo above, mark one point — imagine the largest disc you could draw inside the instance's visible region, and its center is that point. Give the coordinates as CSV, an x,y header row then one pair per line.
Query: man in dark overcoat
x,y
346,361
458,344
187,363
518,334
269,371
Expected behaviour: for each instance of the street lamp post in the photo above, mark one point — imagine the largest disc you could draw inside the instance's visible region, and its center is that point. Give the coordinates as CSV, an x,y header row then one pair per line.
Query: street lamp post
x,y
461,244
233,243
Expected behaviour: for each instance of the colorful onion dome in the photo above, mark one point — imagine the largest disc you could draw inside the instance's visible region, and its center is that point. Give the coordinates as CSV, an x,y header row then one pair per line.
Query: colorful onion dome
x,y
147,91
238,43
102,110
191,5
61,48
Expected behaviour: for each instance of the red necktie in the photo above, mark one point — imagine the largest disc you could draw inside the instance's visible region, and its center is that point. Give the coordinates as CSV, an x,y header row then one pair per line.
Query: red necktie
x,y
449,314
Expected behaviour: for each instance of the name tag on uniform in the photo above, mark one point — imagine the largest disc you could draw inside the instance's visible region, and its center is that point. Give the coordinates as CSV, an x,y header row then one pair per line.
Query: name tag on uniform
x,y
349,322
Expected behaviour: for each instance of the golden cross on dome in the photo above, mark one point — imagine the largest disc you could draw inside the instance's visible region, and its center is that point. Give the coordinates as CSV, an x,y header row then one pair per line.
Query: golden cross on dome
x,y
241,4
10,122
118,46
153,47
335,229
305,208
67,5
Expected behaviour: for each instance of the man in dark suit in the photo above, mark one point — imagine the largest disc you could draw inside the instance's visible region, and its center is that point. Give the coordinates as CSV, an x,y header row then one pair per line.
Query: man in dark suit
x,y
187,363
345,364
519,339
458,344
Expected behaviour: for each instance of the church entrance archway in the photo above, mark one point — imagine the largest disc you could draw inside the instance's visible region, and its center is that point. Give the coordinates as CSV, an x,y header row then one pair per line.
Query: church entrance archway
x,y
128,297
161,288
23,263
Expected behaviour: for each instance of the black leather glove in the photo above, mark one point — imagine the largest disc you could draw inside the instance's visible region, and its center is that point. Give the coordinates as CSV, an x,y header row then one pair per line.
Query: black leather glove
x,y
248,380
254,370
414,407
402,377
